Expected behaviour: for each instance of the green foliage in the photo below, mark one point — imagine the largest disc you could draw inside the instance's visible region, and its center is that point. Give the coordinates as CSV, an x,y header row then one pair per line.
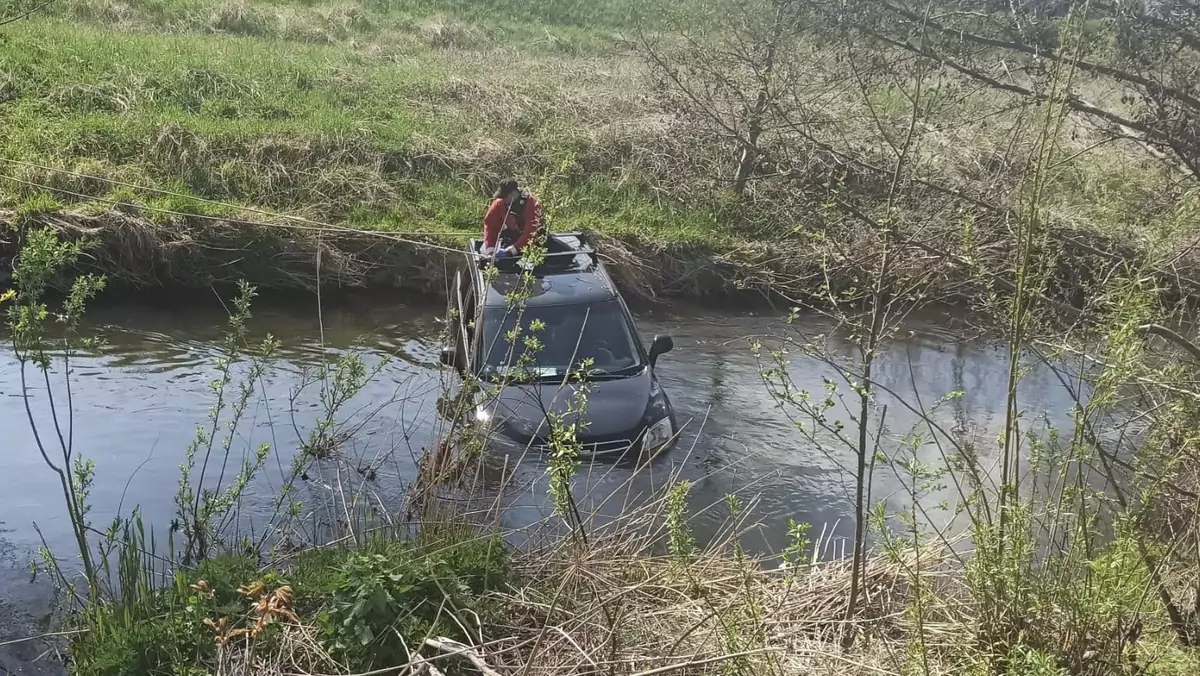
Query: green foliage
x,y
564,448
314,574
223,574
400,590
36,205
795,554
409,586
1026,661
680,541
145,646
43,262
204,510
341,381
163,630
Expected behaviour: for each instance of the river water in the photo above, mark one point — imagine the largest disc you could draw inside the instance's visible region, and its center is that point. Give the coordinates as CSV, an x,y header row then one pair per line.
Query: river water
x,y
139,398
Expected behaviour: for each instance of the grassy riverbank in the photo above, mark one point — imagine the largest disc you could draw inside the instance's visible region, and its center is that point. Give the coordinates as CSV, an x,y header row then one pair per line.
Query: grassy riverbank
x,y
383,128
399,117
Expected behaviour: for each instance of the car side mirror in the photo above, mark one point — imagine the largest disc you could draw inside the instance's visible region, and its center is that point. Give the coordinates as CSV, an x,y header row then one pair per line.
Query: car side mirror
x,y
661,345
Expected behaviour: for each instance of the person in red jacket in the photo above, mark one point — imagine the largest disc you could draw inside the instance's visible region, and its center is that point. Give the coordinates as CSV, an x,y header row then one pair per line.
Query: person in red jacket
x,y
512,222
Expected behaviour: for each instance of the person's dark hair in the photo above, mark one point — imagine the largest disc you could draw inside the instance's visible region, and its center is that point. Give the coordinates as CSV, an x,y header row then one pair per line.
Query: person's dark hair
x,y
506,186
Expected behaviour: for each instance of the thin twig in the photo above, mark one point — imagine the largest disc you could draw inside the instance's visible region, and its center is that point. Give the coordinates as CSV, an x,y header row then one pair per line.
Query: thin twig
x,y
27,13
53,634
451,646
711,660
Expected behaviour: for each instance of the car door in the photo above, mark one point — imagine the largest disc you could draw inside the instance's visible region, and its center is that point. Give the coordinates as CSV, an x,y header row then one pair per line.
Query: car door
x,y
470,317
463,325
459,343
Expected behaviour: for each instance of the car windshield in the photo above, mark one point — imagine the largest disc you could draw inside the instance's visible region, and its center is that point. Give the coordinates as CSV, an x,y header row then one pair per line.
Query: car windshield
x,y
544,339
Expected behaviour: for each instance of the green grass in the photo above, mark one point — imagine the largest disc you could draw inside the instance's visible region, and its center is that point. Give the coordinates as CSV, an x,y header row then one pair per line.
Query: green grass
x,y
444,206
377,133
555,25
101,91
401,115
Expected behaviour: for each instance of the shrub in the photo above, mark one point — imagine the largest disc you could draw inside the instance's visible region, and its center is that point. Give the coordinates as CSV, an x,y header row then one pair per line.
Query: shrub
x,y
408,591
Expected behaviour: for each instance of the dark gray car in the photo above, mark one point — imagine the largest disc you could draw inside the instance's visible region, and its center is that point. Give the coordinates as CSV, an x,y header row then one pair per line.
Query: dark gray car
x,y
579,318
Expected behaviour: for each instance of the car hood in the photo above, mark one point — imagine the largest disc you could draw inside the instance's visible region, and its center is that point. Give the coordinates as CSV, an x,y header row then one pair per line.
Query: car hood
x,y
613,407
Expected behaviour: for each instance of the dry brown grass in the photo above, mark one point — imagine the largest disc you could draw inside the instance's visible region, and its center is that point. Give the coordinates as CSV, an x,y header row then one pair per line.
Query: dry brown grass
x,y
145,247
442,32
609,611
625,610
610,597
196,252
615,604
241,18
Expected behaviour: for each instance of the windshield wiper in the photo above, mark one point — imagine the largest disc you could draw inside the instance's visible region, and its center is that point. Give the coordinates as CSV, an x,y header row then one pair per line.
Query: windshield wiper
x,y
574,376
592,374
601,374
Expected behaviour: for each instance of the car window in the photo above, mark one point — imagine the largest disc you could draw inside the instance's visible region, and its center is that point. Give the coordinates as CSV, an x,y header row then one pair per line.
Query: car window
x,y
597,331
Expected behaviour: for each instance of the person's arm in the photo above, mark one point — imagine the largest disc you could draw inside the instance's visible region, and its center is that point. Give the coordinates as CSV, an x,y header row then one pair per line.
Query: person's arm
x,y
533,217
493,222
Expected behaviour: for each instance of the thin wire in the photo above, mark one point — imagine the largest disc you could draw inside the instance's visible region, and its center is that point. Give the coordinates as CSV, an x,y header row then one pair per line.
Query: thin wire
x,y
312,226
168,193
26,13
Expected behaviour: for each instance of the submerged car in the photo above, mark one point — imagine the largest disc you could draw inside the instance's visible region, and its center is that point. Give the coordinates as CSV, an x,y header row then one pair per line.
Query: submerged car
x,y
584,337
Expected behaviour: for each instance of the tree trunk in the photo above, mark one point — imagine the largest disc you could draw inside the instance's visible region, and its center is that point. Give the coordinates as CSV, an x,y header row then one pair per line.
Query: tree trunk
x,y
762,102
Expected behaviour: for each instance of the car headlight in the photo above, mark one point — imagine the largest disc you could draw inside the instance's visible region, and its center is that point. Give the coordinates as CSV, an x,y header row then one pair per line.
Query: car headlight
x,y
656,408
657,434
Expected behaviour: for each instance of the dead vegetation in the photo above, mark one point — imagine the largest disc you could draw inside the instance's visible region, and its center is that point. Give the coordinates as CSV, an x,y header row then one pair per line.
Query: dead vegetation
x,y
146,248
197,252
691,618
715,618
614,603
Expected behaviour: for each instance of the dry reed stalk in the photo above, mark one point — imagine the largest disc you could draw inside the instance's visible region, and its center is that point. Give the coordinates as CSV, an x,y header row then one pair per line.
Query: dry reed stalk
x,y
666,616
142,247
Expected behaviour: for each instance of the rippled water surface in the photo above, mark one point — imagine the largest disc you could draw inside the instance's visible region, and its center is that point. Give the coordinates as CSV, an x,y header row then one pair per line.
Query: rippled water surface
x,y
137,402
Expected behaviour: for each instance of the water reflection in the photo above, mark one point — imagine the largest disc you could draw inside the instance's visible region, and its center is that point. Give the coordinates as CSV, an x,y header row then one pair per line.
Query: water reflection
x,y
139,399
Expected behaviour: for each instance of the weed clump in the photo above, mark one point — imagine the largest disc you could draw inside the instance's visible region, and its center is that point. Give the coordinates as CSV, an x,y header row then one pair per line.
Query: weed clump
x,y
383,603
241,18
444,33
358,607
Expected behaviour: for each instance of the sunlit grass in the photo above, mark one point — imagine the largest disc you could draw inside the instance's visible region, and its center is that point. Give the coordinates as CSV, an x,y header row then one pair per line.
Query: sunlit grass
x,y
555,26
399,115
337,131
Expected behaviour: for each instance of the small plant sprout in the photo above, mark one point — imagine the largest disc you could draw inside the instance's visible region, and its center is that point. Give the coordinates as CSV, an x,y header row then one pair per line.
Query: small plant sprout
x,y
680,541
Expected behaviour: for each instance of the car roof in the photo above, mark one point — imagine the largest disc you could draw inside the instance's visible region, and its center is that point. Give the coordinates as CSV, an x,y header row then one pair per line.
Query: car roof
x,y
564,279
565,288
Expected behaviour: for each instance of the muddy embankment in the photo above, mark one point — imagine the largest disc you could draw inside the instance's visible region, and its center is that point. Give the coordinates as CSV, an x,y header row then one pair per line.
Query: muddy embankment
x,y
142,253
138,252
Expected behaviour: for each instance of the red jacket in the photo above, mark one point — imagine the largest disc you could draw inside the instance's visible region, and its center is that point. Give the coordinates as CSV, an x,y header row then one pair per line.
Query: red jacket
x,y
499,217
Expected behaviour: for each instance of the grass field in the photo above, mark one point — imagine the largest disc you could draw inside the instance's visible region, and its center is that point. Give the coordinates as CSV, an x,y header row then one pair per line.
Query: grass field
x,y
402,115
381,121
